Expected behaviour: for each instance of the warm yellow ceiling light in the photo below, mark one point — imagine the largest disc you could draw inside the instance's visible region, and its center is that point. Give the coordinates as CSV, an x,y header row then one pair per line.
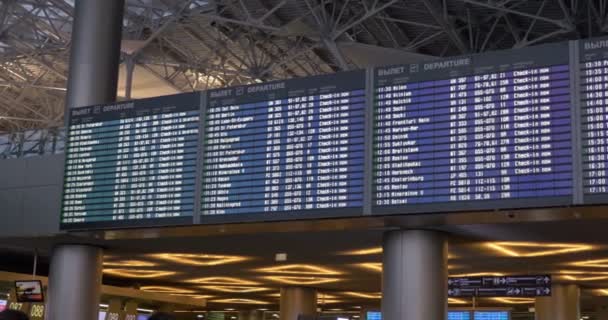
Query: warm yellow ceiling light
x,y
514,249
241,289
130,273
478,274
514,300
129,263
199,259
307,269
301,280
584,278
457,301
366,295
329,301
363,252
193,296
223,281
373,266
239,301
601,292
162,289
599,263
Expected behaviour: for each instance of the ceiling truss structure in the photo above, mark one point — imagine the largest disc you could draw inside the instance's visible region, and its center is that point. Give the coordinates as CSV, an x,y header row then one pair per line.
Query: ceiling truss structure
x,y
198,44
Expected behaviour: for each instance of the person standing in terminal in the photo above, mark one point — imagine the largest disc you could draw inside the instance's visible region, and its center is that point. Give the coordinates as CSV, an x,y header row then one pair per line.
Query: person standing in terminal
x,y
13,315
155,316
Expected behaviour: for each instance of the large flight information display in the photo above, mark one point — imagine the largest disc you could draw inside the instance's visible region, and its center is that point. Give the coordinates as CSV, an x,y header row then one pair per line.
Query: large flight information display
x,y
132,163
593,55
478,132
288,146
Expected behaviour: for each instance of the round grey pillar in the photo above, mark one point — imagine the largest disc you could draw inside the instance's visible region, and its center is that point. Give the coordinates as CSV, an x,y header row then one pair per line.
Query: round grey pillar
x,y
298,301
563,304
95,52
414,282
74,282
251,315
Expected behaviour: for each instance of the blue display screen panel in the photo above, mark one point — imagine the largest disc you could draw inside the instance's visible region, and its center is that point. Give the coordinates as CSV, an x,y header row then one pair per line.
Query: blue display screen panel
x,y
491,315
459,315
593,55
374,315
479,132
131,163
294,146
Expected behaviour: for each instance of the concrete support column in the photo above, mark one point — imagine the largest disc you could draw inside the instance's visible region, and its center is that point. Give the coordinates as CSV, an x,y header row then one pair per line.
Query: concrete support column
x,y
563,304
298,301
414,282
75,282
251,315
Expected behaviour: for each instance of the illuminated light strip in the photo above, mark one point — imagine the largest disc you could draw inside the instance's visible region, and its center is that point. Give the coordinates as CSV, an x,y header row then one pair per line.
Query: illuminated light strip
x,y
478,274
457,301
363,252
162,289
592,278
373,295
128,273
373,266
308,269
301,280
199,259
229,281
514,300
600,263
603,291
129,263
193,296
241,289
557,248
240,301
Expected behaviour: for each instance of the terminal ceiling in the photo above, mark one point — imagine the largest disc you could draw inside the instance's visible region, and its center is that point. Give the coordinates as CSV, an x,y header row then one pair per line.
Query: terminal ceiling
x,y
186,45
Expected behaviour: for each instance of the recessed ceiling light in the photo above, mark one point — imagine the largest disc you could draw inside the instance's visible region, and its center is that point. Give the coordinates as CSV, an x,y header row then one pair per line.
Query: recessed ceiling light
x,y
373,266
130,273
514,300
193,296
307,269
598,263
301,280
363,252
366,295
239,301
229,281
199,259
242,289
514,249
456,301
164,289
129,263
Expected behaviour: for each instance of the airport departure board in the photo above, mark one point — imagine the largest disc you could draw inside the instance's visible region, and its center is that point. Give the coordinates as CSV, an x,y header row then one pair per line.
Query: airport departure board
x,y
132,163
294,146
593,56
478,132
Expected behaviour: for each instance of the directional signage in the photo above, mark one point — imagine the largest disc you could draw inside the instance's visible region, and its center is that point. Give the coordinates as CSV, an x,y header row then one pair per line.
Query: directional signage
x,y
507,286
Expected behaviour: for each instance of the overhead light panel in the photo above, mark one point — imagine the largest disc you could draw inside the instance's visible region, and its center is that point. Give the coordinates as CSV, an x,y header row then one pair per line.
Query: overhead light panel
x,y
598,263
164,289
199,259
240,289
366,295
297,280
132,273
129,263
226,281
240,301
363,252
533,249
373,266
306,269
457,301
514,300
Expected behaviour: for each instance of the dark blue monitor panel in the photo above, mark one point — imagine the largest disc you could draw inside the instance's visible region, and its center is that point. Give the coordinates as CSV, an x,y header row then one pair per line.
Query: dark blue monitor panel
x,y
476,132
131,163
459,315
491,315
593,58
285,150
143,316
